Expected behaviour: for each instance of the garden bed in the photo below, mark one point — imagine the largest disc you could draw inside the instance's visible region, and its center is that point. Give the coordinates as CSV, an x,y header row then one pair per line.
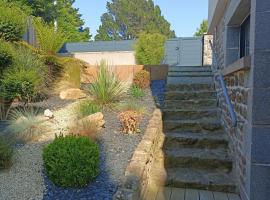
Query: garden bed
x,y
27,180
116,151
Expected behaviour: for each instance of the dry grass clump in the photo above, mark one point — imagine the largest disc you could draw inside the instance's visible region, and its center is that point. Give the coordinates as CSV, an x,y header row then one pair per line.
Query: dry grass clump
x,y
130,121
85,128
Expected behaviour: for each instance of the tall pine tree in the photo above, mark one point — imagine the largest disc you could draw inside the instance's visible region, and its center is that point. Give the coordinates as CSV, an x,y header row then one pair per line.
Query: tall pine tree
x,y
126,19
68,18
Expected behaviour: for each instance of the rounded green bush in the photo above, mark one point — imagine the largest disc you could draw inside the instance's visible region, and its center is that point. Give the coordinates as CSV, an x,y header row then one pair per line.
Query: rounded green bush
x,y
71,161
150,49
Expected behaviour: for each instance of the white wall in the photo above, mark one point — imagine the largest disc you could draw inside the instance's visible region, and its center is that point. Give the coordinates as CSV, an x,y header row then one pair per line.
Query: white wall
x,y
113,58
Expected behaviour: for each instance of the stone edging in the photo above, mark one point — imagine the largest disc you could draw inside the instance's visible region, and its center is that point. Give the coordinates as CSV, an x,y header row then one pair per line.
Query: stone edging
x,y
137,172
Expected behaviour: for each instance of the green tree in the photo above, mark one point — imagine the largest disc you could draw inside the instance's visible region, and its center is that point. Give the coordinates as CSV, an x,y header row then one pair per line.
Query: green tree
x,y
203,28
68,18
126,19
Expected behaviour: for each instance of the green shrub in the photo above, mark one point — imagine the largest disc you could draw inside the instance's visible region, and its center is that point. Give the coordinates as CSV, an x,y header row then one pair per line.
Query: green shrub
x,y
86,108
71,161
12,22
49,40
142,79
6,55
25,125
107,88
136,92
149,49
6,153
25,78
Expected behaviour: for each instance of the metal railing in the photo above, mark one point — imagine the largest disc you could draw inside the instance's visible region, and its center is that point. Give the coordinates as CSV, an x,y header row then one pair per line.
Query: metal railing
x,y
219,78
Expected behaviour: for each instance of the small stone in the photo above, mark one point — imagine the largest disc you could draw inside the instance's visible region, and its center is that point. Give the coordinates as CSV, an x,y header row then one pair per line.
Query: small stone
x,y
48,114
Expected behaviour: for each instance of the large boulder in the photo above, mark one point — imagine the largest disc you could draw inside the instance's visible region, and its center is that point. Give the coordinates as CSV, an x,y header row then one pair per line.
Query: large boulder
x,y
72,94
98,118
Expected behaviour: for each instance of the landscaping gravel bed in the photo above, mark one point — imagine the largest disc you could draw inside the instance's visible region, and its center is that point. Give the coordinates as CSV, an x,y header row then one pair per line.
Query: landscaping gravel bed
x,y
116,151
24,179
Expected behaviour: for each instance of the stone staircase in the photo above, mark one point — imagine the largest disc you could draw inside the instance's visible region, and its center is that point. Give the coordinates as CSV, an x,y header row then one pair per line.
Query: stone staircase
x,y
195,149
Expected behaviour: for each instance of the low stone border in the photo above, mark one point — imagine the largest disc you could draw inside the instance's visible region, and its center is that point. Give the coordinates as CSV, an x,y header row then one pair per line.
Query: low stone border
x,y
137,172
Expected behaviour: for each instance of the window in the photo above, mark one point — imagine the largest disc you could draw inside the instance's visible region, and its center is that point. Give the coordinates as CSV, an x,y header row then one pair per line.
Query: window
x,y
245,38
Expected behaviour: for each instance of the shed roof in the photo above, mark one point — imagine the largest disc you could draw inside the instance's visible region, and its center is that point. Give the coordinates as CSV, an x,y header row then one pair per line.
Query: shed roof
x,y
98,46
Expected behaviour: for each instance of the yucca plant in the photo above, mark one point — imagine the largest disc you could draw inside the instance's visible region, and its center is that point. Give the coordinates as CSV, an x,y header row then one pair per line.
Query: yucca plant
x,y
107,88
25,124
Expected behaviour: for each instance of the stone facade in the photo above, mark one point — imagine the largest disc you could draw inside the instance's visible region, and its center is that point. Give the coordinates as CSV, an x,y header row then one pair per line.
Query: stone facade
x,y
138,170
238,91
207,50
248,88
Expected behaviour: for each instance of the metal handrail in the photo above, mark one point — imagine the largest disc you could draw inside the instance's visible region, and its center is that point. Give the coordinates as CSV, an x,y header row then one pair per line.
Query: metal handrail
x,y
219,77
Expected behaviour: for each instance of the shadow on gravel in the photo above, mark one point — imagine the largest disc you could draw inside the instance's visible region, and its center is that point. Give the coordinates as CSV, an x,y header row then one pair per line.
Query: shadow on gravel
x,y
102,188
158,91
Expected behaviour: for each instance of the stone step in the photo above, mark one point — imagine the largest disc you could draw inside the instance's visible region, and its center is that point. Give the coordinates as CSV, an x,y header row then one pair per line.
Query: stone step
x,y
196,140
190,74
189,95
190,87
213,180
189,69
182,114
191,104
189,80
205,126
198,158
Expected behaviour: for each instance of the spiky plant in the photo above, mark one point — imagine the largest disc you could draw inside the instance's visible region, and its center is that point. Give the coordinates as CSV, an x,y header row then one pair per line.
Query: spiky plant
x,y
107,88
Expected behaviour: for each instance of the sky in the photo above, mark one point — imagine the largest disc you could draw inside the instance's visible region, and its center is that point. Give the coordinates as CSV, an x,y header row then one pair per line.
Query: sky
x,y
184,16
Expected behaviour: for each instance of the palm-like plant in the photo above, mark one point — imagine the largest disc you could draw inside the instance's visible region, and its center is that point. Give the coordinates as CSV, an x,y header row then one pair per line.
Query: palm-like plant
x,y
107,88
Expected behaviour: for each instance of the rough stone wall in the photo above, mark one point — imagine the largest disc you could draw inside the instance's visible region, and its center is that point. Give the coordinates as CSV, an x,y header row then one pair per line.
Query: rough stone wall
x,y
207,50
138,170
237,88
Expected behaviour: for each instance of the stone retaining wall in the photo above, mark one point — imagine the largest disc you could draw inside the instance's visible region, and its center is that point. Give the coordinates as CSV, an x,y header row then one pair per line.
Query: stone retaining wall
x,y
137,172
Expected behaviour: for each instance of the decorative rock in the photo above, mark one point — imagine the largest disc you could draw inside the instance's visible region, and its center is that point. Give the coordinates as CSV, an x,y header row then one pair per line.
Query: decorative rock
x,y
97,117
72,94
48,114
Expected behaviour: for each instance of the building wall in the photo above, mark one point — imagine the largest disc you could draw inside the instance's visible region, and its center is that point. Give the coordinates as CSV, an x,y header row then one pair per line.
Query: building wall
x,y
112,58
237,85
247,80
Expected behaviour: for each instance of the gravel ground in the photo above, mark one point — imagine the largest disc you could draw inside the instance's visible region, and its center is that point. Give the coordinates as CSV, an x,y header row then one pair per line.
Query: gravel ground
x,y
116,152
23,181
53,103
